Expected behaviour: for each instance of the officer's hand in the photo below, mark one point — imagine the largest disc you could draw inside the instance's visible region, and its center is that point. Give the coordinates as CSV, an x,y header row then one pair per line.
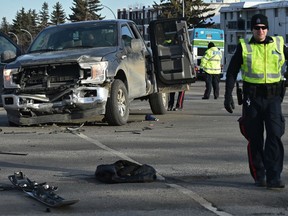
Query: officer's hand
x,y
229,104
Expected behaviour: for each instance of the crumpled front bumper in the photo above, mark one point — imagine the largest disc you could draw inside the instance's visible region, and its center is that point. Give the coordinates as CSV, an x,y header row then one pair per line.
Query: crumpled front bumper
x,y
76,104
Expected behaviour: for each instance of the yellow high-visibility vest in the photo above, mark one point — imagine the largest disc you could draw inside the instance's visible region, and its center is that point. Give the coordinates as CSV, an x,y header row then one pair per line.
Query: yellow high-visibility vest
x,y
262,63
211,61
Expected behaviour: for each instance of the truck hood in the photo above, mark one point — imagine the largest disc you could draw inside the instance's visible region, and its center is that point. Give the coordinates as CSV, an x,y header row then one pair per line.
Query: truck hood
x,y
64,56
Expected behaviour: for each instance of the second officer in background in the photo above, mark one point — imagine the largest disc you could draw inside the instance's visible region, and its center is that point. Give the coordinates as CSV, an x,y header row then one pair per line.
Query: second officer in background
x,y
211,65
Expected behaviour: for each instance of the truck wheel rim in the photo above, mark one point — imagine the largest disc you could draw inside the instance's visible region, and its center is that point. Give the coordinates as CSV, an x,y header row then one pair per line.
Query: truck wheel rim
x,y
121,102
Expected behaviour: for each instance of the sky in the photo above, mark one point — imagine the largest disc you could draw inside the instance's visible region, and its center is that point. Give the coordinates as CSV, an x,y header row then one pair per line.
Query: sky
x,y
9,8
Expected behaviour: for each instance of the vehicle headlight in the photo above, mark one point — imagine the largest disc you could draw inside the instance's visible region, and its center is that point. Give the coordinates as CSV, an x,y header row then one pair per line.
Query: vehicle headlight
x,y
96,72
8,81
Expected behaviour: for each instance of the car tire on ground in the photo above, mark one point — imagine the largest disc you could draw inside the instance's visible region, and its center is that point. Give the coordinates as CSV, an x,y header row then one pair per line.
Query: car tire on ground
x,y
117,107
158,103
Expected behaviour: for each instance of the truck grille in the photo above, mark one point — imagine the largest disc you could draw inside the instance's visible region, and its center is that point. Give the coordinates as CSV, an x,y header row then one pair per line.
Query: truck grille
x,y
48,76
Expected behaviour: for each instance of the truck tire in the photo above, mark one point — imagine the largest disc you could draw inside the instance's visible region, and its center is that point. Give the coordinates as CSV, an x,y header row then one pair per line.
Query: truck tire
x,y
158,103
117,107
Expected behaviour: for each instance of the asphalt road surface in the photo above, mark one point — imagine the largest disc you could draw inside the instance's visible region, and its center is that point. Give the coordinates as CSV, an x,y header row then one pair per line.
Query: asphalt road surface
x,y
198,153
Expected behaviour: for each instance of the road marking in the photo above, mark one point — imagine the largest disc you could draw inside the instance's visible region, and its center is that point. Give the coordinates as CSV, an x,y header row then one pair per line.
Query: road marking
x,y
203,202
106,148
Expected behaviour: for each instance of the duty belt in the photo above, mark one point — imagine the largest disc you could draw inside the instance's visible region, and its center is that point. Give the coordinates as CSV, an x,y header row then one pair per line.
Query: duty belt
x,y
262,90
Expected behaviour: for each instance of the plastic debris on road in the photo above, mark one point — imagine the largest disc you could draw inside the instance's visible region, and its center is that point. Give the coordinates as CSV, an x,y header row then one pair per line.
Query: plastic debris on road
x,y
149,117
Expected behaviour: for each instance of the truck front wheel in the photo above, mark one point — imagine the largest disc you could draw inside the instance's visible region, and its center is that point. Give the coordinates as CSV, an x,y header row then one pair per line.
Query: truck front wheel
x,y
117,107
158,103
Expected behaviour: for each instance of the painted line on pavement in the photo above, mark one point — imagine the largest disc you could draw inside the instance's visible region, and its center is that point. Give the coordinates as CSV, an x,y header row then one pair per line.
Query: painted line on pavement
x,y
204,203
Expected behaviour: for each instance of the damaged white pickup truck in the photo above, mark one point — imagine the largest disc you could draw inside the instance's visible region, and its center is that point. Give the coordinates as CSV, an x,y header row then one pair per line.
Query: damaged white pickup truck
x,y
76,71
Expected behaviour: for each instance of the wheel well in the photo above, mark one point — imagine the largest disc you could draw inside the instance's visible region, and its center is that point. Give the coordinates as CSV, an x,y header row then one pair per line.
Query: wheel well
x,y
122,76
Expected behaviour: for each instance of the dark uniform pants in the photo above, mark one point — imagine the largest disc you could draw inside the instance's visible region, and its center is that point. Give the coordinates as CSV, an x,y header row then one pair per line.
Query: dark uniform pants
x,y
265,155
212,81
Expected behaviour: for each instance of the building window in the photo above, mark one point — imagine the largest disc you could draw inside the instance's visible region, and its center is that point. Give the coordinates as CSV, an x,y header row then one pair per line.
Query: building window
x,y
286,9
239,15
249,24
231,15
232,25
241,24
276,12
286,40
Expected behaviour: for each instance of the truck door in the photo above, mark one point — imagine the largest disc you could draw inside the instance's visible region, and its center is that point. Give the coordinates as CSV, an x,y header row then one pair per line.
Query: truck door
x,y
172,52
134,61
8,52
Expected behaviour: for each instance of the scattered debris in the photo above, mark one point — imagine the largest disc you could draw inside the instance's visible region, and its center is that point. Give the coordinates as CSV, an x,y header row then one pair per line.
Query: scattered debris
x,y
124,171
75,129
134,131
147,128
149,117
20,132
170,126
13,153
42,192
4,187
128,131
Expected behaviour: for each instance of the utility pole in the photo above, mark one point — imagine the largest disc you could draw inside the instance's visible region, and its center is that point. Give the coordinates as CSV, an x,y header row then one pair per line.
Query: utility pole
x,y
183,8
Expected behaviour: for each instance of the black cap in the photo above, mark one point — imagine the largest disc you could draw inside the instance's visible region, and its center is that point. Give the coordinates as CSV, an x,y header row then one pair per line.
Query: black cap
x,y
211,44
259,19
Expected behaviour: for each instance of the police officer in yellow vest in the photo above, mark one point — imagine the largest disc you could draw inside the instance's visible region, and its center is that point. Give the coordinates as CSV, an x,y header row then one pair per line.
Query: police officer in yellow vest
x,y
260,60
211,65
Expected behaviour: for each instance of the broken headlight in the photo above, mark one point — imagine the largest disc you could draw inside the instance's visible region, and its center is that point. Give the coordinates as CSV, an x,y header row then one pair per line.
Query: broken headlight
x,y
95,72
8,78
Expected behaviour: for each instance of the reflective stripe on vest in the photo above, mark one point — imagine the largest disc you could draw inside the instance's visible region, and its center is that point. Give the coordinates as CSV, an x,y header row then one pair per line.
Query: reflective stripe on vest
x,y
255,67
211,61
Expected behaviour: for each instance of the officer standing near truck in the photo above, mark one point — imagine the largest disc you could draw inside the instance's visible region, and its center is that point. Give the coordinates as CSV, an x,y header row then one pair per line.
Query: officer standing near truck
x,y
260,59
211,65
179,103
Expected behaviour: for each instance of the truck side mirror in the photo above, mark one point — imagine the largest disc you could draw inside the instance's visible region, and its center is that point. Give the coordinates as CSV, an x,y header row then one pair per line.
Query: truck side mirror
x,y
136,45
8,56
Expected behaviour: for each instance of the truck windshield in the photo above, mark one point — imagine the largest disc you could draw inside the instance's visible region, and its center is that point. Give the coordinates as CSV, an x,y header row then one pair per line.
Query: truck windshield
x,y
69,37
